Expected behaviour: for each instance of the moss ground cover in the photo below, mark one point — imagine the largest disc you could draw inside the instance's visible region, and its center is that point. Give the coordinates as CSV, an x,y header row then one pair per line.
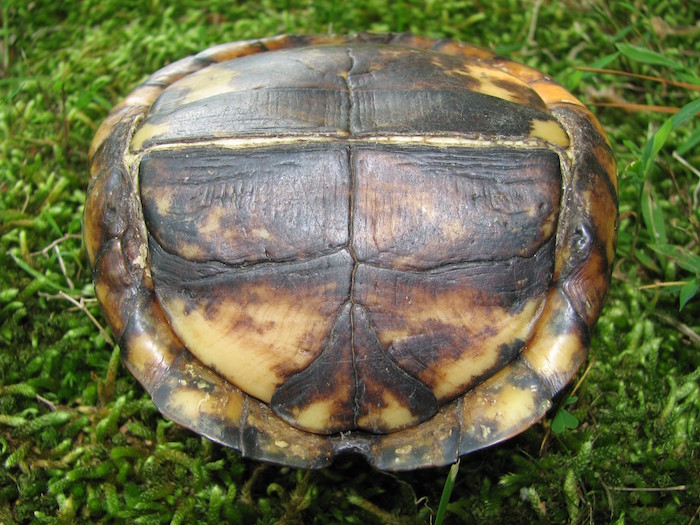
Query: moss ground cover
x,y
81,442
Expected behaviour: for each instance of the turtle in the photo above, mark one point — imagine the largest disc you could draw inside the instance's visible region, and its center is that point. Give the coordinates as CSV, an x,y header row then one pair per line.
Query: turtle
x,y
378,244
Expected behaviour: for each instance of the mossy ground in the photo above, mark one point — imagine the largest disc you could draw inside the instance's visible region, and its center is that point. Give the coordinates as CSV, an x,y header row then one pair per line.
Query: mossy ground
x,y
81,442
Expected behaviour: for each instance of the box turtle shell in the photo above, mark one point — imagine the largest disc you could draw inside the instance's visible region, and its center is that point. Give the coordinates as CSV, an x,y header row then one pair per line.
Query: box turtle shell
x,y
381,244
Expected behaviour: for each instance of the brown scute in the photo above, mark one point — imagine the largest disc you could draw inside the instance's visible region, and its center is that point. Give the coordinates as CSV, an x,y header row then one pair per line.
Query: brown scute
x,y
596,193
464,204
105,215
388,399
321,398
425,355
505,284
447,327
112,137
592,175
356,89
255,326
109,205
587,285
115,285
247,207
254,95
444,94
590,217
396,68
271,73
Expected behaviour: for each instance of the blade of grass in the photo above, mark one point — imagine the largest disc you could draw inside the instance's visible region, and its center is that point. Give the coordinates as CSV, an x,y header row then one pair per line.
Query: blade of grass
x,y
653,216
446,493
647,56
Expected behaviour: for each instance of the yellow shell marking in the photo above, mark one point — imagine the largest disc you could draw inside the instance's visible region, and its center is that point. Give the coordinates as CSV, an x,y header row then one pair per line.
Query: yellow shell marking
x,y
498,84
318,411
248,343
393,414
550,131
508,328
205,84
145,132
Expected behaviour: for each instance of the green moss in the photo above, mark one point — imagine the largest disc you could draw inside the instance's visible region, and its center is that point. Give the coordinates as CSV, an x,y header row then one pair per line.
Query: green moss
x,y
81,442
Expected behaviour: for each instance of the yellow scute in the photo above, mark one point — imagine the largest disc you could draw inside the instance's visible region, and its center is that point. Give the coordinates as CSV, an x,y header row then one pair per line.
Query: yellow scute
x,y
500,84
188,402
145,132
393,414
471,364
145,354
253,345
510,406
550,131
315,417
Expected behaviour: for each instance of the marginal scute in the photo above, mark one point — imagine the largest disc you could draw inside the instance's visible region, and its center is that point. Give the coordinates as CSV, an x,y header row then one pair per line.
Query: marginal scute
x,y
433,442
559,343
500,407
266,437
554,94
149,346
586,286
195,397
381,244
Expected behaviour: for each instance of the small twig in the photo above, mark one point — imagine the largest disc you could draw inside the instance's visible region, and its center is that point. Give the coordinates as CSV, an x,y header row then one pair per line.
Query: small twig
x,y
53,297
247,489
681,327
368,506
26,203
45,251
63,268
611,503
697,513
685,85
48,403
297,502
82,307
636,107
677,488
685,163
585,373
693,170
533,22
662,285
